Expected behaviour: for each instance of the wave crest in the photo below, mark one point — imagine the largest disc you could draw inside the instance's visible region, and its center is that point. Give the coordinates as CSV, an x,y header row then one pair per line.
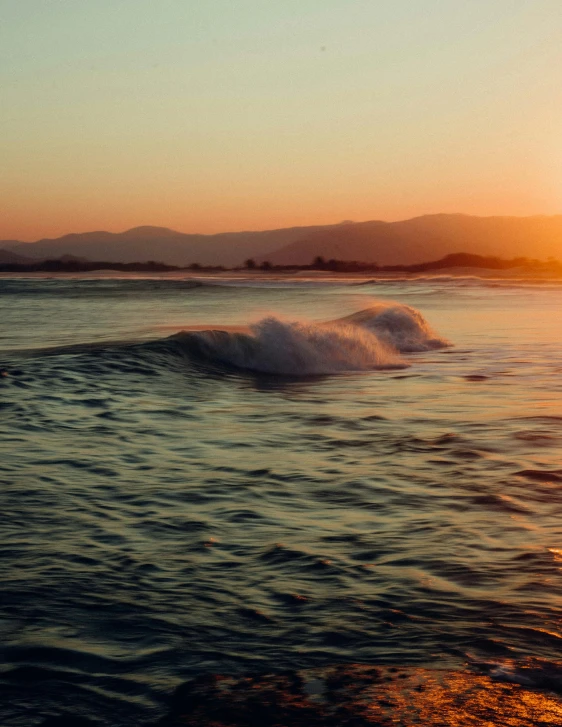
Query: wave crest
x,y
369,340
400,326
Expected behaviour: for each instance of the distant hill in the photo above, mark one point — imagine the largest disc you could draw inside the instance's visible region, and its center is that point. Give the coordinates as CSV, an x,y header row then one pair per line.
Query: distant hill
x,y
163,245
429,237
7,257
387,243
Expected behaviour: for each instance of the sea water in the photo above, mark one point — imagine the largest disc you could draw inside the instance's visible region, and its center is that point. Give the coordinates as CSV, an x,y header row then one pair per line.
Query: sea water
x,y
248,475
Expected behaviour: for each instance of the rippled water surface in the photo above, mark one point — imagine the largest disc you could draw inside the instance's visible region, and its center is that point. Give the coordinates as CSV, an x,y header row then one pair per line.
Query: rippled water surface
x,y
176,504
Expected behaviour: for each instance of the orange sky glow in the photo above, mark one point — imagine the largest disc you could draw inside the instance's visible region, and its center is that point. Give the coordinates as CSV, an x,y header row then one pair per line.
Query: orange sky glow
x,y
204,119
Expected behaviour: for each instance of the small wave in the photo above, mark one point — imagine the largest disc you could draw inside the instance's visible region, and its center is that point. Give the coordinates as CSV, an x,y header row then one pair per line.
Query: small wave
x,y
368,340
293,349
400,326
542,475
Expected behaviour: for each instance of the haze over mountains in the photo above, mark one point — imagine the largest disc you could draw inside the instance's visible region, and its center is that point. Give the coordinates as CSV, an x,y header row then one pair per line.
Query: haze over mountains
x,y
11,258
163,245
388,243
429,238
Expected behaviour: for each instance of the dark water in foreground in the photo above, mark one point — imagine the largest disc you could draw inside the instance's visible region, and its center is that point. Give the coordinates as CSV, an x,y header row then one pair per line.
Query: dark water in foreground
x,y
177,505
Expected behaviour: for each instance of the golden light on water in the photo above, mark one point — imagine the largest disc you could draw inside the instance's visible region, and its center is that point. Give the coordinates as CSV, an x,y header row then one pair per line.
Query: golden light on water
x,y
366,695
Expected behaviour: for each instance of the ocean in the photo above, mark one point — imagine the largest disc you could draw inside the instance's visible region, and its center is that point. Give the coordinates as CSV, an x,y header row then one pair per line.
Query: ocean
x,y
248,475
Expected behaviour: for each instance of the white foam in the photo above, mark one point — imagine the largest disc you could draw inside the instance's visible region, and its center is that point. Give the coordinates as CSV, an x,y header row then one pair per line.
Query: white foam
x,y
398,325
369,340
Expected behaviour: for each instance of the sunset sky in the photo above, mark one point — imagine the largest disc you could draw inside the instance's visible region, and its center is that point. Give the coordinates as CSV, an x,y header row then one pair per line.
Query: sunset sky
x,y
251,114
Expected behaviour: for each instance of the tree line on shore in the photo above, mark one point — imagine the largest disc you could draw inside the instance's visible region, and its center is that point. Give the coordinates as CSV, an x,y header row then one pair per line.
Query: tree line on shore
x,y
453,260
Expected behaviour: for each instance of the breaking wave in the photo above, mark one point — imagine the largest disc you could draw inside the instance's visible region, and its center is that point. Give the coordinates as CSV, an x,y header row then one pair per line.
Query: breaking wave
x,y
368,340
400,326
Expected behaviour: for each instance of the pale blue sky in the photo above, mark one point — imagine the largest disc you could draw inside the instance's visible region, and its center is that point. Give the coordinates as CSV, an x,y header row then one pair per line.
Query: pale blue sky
x,y
231,114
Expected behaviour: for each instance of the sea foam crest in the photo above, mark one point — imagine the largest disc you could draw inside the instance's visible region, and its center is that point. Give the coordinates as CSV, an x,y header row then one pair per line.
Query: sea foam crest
x,y
401,326
297,349
369,340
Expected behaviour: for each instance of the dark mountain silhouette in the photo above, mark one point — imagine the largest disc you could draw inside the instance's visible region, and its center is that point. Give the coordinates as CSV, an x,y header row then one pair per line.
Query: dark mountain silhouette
x,y
7,257
71,259
429,237
162,244
387,243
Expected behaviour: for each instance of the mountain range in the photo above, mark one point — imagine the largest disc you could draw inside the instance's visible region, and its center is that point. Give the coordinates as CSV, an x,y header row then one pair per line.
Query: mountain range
x,y
161,244
12,258
386,243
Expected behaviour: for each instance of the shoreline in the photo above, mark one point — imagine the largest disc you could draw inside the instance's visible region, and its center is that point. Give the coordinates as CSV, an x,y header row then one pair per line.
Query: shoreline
x,y
488,274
